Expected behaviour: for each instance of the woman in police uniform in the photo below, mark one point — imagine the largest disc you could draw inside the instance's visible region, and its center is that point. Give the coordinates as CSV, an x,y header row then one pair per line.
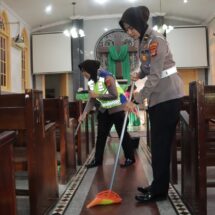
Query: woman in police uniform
x,y
163,90
105,91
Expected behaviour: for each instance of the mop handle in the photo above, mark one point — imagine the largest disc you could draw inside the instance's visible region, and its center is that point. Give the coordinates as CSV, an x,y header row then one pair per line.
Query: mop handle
x,y
76,130
121,139
79,124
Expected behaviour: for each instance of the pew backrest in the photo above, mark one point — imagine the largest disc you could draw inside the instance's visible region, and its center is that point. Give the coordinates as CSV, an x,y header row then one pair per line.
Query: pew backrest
x,y
57,110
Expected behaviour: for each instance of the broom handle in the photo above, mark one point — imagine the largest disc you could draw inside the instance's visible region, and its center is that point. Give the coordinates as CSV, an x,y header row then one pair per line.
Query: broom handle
x,y
121,139
79,124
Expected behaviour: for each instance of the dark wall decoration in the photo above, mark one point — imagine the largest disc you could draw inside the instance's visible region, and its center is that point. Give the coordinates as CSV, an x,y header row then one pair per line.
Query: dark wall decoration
x,y
116,38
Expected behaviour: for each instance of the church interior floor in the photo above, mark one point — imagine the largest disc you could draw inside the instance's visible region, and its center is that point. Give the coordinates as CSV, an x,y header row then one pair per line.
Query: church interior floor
x,y
84,186
126,181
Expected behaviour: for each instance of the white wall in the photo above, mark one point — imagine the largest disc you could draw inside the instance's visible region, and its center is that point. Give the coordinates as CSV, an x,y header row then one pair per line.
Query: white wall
x,y
15,70
211,41
15,54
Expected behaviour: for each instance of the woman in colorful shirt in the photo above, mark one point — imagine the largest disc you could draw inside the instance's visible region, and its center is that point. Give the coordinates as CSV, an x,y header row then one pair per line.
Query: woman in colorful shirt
x,y
106,92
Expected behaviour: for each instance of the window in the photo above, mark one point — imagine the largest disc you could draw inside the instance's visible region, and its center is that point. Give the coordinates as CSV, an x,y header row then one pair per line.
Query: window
x,y
4,52
25,61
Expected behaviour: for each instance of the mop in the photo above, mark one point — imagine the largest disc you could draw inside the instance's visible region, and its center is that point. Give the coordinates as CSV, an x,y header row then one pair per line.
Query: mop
x,y
108,197
79,124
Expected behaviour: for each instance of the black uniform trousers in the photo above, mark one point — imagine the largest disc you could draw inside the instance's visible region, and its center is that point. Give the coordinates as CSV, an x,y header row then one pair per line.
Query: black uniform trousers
x,y
105,122
163,120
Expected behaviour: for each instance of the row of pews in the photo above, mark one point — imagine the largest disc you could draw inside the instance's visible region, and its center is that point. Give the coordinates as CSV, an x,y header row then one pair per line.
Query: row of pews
x,y
37,137
198,146
7,173
194,146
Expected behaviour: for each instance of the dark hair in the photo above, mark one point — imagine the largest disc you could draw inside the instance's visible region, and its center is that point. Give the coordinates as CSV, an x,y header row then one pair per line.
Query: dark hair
x,y
136,17
91,67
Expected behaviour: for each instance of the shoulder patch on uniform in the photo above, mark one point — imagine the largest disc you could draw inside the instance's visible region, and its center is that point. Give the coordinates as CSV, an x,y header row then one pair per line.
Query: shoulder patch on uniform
x,y
153,48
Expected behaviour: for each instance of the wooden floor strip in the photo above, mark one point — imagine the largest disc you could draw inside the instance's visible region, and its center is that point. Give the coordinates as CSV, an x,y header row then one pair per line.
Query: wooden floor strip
x,y
125,184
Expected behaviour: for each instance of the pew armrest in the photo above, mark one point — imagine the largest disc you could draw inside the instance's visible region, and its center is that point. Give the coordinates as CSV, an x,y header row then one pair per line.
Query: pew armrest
x,y
212,121
49,126
73,122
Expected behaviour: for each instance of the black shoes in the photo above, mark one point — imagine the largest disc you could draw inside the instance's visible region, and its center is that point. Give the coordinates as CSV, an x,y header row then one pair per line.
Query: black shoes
x,y
128,162
93,163
149,197
144,189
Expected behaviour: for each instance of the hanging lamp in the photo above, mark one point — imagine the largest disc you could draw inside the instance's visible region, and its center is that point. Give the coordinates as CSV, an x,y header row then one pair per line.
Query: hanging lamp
x,y
159,24
74,32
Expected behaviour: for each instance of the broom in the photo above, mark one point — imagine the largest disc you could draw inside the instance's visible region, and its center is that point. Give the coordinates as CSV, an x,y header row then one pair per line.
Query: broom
x,y
79,124
108,197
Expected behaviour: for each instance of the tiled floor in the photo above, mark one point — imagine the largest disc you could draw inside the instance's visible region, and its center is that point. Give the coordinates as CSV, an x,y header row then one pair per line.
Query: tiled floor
x,y
210,191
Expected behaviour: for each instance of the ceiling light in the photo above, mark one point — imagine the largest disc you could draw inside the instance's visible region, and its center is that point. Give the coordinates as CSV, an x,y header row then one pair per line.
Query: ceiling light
x,y
155,27
132,1
81,33
185,1
101,1
73,31
66,33
48,9
159,25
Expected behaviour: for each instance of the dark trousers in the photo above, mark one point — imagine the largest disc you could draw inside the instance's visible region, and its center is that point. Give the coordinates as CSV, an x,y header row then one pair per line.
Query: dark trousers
x,y
163,120
105,122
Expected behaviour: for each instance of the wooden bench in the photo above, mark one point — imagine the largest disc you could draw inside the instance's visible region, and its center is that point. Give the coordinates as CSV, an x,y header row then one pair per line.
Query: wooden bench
x,y
7,177
85,139
57,110
24,112
198,151
176,146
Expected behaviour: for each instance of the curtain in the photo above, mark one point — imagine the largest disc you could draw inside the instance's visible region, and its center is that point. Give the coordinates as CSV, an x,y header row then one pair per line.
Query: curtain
x,y
123,57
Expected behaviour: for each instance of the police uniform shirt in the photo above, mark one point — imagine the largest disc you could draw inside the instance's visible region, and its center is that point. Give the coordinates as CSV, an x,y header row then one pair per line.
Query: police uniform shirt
x,y
155,56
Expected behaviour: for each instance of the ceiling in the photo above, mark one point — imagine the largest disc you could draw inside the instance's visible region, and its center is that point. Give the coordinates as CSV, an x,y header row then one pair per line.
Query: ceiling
x,y
32,11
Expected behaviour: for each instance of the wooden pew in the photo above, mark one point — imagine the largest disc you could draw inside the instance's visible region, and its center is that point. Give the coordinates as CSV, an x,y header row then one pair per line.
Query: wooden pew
x,y
24,112
7,178
198,149
176,146
85,139
57,110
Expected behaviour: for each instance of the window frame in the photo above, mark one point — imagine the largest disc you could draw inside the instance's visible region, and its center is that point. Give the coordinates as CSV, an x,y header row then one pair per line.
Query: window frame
x,y
5,35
